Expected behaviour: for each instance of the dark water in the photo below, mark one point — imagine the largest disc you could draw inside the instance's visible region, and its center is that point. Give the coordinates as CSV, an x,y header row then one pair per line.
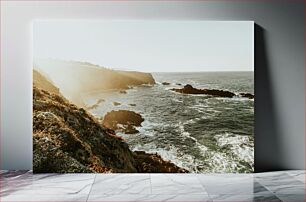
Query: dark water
x,y
197,132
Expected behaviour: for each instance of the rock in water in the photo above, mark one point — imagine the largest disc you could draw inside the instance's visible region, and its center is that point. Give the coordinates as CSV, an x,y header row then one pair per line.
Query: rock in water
x,y
116,103
96,104
165,83
247,95
188,89
123,120
122,92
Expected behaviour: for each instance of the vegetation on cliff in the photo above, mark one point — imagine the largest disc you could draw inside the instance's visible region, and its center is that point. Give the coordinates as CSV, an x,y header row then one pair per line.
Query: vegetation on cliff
x,y
68,139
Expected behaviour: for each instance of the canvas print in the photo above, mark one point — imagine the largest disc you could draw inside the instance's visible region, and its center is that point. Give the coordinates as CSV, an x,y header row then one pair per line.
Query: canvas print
x,y
143,96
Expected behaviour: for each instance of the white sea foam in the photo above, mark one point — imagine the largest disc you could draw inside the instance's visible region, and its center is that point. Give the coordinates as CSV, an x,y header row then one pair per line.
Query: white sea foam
x,y
171,152
241,146
147,126
177,100
186,134
191,121
147,85
235,98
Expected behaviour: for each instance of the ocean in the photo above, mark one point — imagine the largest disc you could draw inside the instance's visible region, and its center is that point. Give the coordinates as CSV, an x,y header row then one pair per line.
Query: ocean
x,y
200,133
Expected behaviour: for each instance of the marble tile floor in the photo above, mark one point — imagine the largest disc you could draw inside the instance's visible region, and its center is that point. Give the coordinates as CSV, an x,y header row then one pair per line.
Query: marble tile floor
x,y
286,186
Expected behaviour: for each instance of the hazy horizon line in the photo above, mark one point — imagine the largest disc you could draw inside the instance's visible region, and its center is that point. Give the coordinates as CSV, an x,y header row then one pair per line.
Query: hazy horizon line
x,y
197,71
127,69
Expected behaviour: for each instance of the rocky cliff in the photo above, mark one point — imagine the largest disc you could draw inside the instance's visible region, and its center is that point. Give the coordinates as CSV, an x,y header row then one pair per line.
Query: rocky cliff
x,y
69,139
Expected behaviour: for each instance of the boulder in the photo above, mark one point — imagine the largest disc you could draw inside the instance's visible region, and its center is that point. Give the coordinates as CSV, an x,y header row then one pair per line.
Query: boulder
x,y
123,120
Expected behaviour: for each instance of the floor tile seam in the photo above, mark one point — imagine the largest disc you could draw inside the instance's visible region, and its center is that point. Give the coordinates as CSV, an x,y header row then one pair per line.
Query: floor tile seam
x,y
91,187
151,192
208,194
272,192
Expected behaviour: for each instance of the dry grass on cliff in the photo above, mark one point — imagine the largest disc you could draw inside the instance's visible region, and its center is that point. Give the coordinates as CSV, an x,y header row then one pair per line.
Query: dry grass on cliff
x,y
68,139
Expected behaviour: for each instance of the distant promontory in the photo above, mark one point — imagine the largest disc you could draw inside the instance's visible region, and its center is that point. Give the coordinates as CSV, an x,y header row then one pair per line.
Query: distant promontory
x,y
76,78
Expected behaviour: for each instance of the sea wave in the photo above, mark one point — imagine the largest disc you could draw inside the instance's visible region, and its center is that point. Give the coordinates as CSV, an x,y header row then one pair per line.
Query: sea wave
x,y
235,98
177,100
241,146
185,133
147,128
202,148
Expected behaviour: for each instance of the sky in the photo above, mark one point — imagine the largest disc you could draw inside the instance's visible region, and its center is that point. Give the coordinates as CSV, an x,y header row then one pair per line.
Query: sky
x,y
149,46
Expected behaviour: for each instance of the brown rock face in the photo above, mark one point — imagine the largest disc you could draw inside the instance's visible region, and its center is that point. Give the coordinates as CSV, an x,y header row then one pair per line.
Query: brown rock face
x,y
188,89
68,139
123,120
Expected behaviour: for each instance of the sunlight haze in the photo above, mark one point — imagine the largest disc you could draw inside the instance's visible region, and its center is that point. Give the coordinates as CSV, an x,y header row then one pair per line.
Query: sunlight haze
x,y
149,46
